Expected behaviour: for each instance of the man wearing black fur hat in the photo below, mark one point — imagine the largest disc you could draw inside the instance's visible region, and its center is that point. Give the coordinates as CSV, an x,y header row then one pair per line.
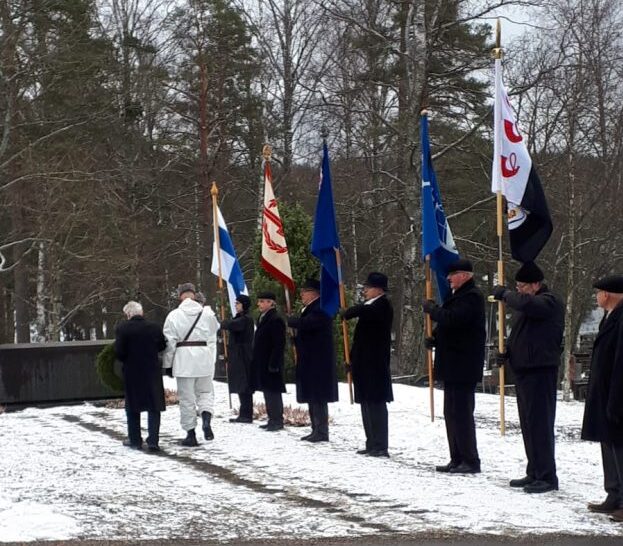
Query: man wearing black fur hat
x,y
370,359
533,353
459,339
267,362
603,412
239,353
316,373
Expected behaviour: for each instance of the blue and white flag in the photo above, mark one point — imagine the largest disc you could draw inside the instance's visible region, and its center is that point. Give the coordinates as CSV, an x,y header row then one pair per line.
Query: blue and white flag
x,y
229,268
437,238
325,240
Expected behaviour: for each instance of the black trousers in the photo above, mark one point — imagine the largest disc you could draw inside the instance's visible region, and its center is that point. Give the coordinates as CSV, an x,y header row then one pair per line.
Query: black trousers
x,y
134,427
612,460
246,405
274,407
319,416
374,416
536,402
458,411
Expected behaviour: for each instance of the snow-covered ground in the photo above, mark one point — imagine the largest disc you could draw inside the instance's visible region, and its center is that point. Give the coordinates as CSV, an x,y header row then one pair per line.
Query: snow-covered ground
x,y
64,474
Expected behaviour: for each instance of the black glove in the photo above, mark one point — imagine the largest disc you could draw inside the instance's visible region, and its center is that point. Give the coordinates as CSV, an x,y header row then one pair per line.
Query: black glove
x,y
499,292
429,306
501,359
169,372
429,342
348,368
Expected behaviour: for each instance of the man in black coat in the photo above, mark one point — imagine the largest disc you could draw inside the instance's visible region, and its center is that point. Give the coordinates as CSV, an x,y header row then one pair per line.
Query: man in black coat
x,y
239,355
533,353
316,373
370,360
137,344
603,412
267,362
459,339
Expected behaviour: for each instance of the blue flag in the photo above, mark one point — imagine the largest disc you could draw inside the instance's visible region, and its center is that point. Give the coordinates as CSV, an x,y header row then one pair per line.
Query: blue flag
x,y
325,241
436,235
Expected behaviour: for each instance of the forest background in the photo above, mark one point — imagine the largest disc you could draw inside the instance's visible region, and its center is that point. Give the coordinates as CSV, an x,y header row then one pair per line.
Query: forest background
x,y
116,116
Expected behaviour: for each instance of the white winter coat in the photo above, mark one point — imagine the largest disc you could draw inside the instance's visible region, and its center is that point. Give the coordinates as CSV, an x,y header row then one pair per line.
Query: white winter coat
x,y
190,361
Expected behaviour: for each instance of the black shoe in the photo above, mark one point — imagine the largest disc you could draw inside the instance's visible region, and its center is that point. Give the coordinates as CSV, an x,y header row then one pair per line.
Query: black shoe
x,y
241,420
465,468
206,417
446,467
129,444
363,451
264,425
307,437
378,453
317,437
540,486
273,427
153,449
606,507
190,440
521,482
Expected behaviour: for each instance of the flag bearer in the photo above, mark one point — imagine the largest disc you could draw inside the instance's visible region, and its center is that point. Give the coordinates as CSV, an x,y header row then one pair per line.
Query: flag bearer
x,y
533,353
459,339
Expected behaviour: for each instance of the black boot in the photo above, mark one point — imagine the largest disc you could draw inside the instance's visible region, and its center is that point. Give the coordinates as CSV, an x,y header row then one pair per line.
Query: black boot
x,y
206,416
190,440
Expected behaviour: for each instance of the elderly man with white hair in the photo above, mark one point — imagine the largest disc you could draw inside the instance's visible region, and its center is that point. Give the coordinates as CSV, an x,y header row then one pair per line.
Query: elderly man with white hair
x,y
191,354
137,344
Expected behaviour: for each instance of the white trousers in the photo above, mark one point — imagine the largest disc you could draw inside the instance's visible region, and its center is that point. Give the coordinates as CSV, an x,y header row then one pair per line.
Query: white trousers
x,y
195,395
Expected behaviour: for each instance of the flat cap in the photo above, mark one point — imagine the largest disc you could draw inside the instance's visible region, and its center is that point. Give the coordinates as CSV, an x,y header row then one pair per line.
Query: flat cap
x,y
529,272
311,284
611,283
376,280
266,295
461,265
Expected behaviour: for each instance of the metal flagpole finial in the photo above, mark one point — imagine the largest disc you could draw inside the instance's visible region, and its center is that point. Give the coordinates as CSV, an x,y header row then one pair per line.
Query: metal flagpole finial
x,y
497,50
267,152
214,189
424,112
324,132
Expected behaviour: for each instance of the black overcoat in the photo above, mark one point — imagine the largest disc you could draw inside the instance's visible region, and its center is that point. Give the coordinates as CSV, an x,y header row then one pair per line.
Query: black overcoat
x,y
268,346
370,353
603,412
239,352
536,334
460,336
316,373
137,344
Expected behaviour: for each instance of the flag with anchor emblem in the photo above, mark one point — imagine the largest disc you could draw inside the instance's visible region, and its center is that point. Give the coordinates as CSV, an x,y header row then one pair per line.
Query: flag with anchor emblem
x,y
529,221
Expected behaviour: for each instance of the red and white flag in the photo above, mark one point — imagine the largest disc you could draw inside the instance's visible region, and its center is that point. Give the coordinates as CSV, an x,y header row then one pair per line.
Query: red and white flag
x,y
529,221
275,257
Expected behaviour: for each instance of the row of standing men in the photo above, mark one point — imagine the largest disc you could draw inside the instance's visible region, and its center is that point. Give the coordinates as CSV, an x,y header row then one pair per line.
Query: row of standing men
x,y
256,363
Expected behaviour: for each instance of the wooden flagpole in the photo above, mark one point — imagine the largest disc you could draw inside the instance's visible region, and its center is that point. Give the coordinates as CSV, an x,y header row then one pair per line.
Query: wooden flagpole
x,y
497,53
349,375
217,240
429,334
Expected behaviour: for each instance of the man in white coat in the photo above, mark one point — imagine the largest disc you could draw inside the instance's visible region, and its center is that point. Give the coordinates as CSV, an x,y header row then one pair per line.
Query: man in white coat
x,y
191,353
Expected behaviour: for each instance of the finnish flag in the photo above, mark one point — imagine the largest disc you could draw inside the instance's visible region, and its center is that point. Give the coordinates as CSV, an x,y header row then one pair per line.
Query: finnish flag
x,y
229,266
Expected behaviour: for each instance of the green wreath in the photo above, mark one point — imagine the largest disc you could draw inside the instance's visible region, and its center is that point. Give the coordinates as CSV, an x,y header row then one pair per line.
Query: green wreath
x,y
108,373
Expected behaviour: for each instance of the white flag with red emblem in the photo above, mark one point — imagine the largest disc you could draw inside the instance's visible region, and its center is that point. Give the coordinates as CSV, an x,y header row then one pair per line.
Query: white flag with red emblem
x,y
275,257
529,221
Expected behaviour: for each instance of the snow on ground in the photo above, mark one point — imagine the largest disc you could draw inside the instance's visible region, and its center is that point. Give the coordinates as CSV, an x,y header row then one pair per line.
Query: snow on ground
x,y
64,474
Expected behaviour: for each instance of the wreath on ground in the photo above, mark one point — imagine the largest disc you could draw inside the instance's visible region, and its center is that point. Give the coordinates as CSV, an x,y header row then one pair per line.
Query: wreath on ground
x,y
107,370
